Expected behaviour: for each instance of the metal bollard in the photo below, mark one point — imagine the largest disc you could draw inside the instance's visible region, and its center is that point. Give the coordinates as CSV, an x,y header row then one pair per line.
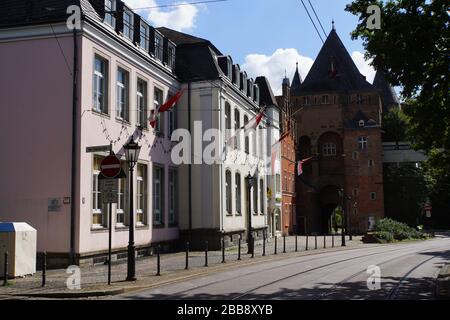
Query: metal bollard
x,y
325,241
264,244
206,254
315,241
296,243
284,244
239,249
276,252
187,256
158,260
44,269
223,250
5,270
306,248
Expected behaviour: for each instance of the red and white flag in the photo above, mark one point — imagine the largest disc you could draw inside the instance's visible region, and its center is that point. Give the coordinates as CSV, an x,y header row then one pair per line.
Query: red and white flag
x,y
165,107
300,165
253,124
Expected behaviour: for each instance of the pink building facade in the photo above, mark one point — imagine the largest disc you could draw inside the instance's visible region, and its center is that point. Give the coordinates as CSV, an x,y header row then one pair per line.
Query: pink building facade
x,y
123,71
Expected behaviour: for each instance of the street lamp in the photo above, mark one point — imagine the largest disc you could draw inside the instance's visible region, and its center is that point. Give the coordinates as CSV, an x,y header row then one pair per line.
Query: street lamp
x,y
132,150
342,196
250,181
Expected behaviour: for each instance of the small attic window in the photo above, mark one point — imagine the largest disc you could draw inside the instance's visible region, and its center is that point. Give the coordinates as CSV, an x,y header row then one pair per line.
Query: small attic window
x,y
237,76
243,86
250,88
256,94
362,123
226,65
110,8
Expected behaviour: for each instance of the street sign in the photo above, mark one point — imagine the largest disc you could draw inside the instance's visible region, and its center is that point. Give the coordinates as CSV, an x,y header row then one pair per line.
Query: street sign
x,y
109,189
98,149
110,167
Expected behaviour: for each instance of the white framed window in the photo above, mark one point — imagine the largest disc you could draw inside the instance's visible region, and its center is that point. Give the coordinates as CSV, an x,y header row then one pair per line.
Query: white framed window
x,y
238,183
128,24
123,87
244,82
329,149
355,155
306,101
237,126
158,196
122,202
359,99
247,137
371,163
237,75
110,8
159,47
255,197
171,56
141,103
141,195
228,200
98,208
325,99
145,36
362,143
157,103
256,94
173,196
100,85
172,114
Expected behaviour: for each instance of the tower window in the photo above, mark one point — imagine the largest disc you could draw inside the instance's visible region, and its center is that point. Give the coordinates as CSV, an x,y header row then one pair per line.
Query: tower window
x,y
329,149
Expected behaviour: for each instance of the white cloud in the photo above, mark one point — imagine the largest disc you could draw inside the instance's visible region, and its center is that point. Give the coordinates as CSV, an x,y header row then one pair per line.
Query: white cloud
x,y
364,66
181,18
273,67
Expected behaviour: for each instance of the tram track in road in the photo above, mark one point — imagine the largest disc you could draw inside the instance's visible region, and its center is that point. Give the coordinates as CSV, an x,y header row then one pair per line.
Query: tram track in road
x,y
240,296
394,291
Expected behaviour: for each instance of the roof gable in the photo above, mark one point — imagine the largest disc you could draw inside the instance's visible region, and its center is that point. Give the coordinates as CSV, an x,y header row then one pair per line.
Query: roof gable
x,y
334,69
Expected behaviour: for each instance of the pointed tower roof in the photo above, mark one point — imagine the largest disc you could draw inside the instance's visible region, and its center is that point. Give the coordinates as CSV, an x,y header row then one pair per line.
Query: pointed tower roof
x,y
286,81
296,83
334,69
388,96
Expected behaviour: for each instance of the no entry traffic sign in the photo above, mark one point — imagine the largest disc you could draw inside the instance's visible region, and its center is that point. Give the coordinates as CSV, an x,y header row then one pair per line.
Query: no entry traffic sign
x,y
110,167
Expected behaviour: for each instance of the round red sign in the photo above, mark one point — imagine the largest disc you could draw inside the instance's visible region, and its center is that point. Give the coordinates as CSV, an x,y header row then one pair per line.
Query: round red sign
x,y
110,167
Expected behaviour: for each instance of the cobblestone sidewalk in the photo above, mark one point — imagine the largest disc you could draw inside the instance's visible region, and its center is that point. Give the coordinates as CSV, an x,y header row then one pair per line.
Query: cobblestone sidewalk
x,y
94,279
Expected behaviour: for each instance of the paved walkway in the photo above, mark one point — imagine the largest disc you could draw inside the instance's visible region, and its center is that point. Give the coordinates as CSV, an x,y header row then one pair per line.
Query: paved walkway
x,y
94,279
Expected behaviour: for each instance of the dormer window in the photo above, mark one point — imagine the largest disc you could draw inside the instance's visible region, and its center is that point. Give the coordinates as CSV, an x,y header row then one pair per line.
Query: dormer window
x,y
256,94
171,56
128,24
110,8
237,76
362,123
250,88
226,65
159,47
243,81
145,36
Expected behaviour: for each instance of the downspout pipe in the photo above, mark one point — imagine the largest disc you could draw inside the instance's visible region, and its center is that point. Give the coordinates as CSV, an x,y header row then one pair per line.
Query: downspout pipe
x,y
74,146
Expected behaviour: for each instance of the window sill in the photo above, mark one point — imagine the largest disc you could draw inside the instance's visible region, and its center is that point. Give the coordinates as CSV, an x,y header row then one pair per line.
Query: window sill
x,y
123,122
101,114
142,227
122,228
159,226
95,229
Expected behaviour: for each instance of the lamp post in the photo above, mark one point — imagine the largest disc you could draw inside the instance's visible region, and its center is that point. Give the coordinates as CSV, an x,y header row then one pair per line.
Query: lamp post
x,y
342,196
250,180
132,150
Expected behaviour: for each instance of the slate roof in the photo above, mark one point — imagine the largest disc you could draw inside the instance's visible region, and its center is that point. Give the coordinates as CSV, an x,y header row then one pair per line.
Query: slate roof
x,y
346,77
388,96
27,12
180,38
266,96
296,83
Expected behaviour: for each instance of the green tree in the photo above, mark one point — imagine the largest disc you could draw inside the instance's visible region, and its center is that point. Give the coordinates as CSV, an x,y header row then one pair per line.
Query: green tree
x,y
395,125
412,49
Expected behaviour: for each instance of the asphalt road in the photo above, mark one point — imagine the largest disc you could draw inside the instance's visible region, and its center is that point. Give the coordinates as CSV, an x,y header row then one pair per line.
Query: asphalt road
x,y
407,271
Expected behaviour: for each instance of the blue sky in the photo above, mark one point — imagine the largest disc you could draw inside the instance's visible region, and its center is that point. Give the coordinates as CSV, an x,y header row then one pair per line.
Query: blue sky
x,y
265,37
